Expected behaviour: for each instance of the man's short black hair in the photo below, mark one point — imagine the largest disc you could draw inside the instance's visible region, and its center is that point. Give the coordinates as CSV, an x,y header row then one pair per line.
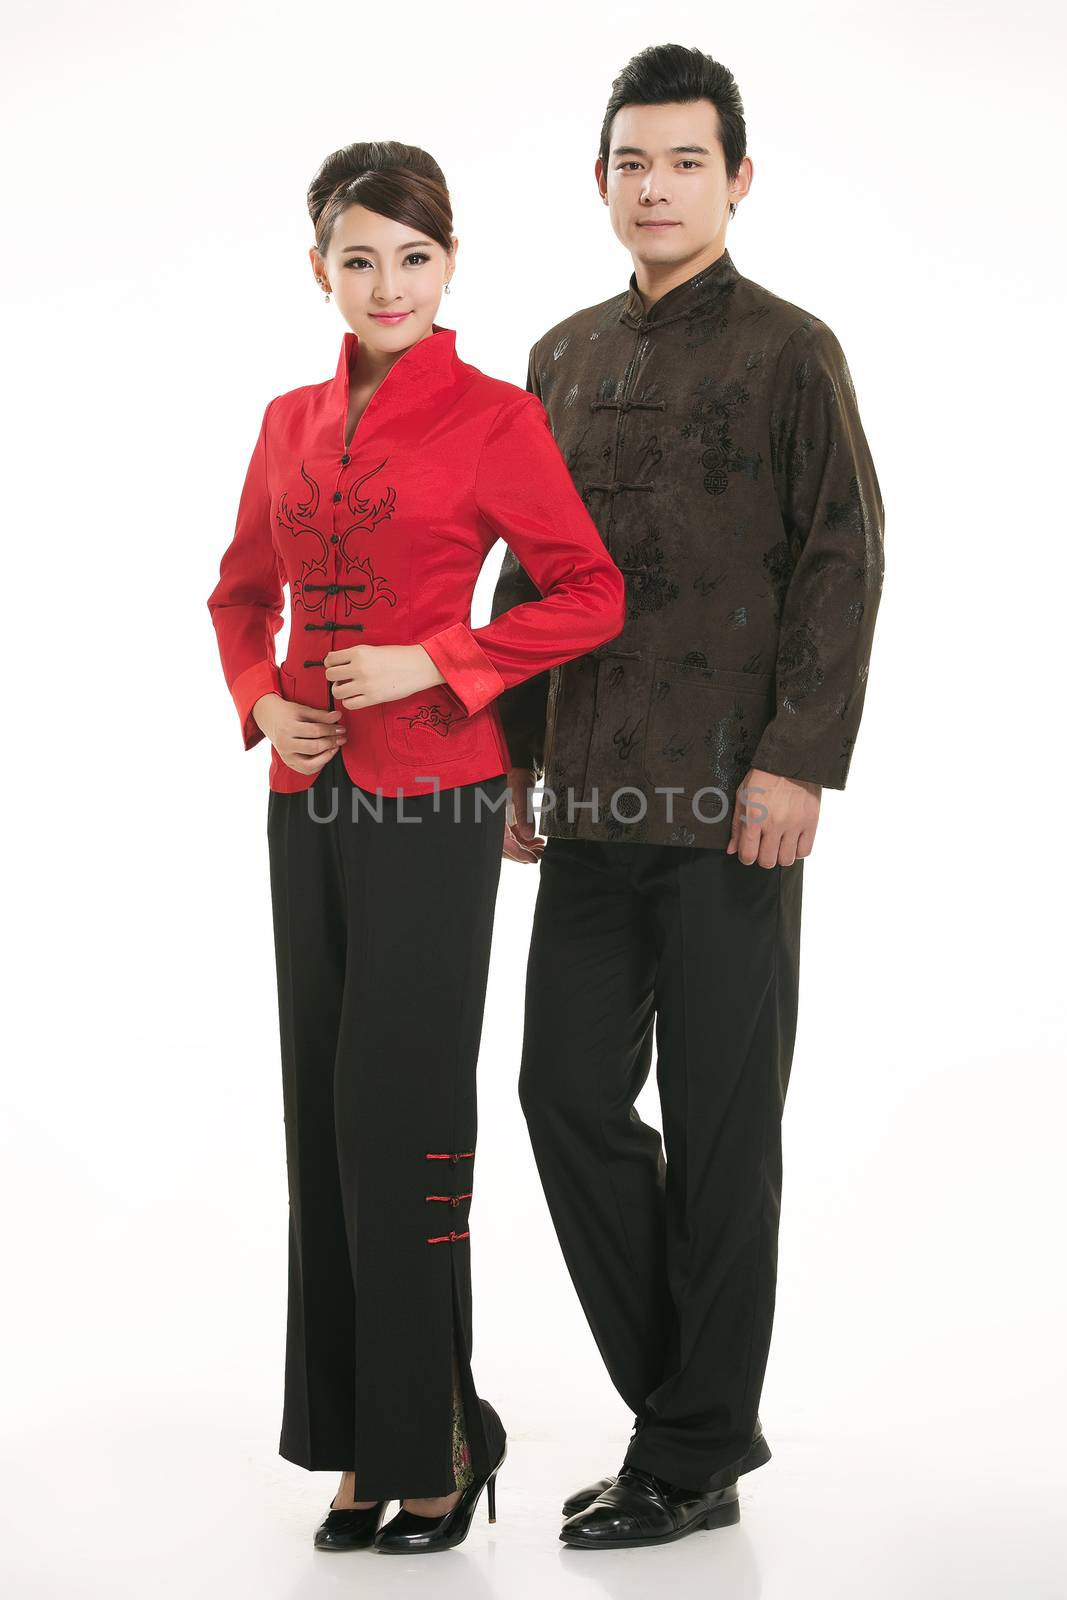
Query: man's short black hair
x,y
664,73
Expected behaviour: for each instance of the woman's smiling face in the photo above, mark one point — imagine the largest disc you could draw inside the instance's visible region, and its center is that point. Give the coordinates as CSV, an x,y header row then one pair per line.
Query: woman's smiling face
x,y
387,278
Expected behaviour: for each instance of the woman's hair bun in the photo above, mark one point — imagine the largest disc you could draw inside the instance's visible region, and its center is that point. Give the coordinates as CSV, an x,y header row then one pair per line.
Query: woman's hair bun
x,y
396,180
353,161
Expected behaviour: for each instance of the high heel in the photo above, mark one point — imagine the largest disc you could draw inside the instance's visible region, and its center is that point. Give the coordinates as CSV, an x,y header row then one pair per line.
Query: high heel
x,y
409,1534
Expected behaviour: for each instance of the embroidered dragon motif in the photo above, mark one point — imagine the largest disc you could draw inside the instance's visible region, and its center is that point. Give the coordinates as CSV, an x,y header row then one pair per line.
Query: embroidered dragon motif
x,y
432,718
297,517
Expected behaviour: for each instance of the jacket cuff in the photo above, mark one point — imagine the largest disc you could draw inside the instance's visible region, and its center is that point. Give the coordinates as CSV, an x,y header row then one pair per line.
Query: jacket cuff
x,y
523,714
522,757
259,679
464,665
803,765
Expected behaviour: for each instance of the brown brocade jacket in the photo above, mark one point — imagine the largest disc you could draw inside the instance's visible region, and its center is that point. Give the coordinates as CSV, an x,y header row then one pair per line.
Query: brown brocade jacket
x,y
716,441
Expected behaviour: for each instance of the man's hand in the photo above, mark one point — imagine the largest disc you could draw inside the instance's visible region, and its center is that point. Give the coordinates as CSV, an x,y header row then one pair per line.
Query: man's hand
x,y
303,736
774,819
521,840
369,674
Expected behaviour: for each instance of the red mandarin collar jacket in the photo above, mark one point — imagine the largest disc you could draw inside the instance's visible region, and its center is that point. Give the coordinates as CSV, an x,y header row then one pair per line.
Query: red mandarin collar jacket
x,y
383,542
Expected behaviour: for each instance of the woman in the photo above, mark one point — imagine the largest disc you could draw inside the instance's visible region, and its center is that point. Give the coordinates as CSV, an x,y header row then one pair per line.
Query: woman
x,y
376,496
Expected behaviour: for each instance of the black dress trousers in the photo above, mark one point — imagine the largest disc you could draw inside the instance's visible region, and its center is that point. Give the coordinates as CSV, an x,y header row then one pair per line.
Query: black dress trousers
x,y
383,918
672,1244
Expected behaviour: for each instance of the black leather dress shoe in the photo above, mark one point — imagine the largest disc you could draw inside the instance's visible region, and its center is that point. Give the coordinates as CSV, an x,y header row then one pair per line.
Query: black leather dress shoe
x,y
640,1508
351,1529
758,1454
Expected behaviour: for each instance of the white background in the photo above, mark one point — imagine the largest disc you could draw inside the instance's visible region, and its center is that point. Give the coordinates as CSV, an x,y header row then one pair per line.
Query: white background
x,y
908,178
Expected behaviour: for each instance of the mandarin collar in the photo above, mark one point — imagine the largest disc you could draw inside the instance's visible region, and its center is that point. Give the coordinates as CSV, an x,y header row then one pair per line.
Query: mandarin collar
x,y
425,369
693,298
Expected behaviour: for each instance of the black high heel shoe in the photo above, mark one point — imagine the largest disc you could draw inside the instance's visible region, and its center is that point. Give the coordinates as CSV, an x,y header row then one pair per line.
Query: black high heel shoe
x,y
349,1529
409,1534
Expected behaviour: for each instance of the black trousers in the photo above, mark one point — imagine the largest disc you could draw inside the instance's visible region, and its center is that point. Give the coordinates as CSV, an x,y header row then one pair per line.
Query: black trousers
x,y
672,1245
382,935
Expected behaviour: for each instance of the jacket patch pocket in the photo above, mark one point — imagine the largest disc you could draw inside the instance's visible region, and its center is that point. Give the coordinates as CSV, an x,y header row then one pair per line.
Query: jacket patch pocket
x,y
704,724
431,728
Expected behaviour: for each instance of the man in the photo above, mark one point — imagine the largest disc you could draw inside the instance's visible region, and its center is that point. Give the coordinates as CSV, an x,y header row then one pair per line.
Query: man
x,y
713,431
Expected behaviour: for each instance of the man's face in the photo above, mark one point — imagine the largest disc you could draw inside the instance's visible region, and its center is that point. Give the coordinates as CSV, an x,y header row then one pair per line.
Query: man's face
x,y
665,181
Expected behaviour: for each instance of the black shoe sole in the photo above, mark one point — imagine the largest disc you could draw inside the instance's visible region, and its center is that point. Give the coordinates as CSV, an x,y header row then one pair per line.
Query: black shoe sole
x,y
723,1516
